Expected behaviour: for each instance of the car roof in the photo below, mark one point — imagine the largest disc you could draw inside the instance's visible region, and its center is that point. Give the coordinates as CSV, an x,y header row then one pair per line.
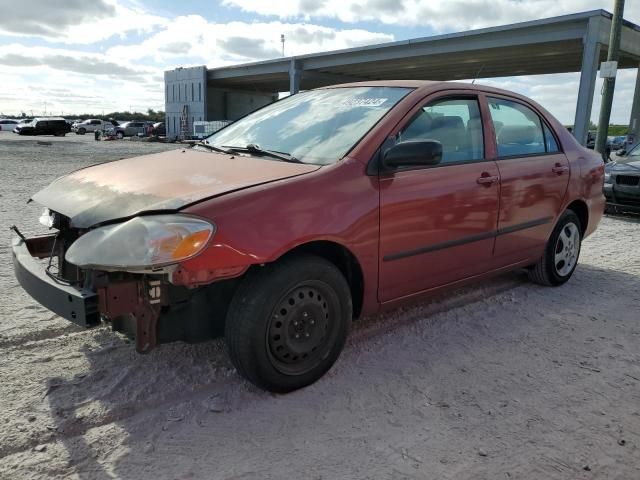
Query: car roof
x,y
48,118
428,86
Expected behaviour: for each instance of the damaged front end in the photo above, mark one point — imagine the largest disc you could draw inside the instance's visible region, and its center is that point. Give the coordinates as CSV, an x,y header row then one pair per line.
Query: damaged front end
x,y
118,273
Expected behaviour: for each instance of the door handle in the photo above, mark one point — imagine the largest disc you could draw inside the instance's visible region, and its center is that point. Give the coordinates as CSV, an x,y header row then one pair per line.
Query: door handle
x,y
487,180
560,169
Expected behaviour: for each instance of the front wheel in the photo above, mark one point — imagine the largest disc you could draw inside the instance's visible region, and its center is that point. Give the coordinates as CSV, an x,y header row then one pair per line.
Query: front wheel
x,y
82,131
561,253
119,135
288,322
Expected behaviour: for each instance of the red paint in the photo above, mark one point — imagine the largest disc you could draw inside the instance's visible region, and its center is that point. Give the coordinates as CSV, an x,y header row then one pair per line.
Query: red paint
x,y
373,217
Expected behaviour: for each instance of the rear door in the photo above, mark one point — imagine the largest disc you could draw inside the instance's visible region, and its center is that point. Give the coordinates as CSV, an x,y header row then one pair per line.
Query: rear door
x,y
437,224
534,174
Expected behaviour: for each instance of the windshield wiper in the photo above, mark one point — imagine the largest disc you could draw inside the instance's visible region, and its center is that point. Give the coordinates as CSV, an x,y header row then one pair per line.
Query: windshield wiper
x,y
211,147
255,149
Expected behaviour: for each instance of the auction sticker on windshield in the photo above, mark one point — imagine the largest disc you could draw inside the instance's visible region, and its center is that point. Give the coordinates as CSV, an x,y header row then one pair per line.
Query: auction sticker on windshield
x,y
363,102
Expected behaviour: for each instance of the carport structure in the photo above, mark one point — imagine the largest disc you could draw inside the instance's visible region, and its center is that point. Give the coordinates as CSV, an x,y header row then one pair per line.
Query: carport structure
x,y
570,43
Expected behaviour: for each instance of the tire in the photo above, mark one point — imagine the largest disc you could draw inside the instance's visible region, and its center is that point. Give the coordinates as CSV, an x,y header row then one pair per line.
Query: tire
x,y
119,135
560,254
287,323
82,131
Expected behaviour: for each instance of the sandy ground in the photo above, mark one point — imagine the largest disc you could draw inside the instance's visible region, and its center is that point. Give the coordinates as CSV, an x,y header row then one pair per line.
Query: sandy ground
x,y
497,381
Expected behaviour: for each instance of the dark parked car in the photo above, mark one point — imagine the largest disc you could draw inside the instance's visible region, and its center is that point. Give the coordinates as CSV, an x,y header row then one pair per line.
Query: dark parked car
x,y
311,212
159,129
44,126
591,143
622,181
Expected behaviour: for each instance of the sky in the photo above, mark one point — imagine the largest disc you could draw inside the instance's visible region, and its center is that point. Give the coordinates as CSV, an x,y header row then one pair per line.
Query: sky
x,y
94,56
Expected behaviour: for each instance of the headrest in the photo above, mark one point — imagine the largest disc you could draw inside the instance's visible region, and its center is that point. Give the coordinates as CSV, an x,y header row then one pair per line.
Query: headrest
x,y
520,134
448,121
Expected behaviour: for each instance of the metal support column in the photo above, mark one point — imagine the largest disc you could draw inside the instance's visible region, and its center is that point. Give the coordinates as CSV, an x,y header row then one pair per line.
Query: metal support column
x,y
295,76
634,122
590,59
609,84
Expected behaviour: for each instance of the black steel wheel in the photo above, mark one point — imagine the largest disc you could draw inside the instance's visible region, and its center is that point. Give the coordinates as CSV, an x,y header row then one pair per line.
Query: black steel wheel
x,y
288,322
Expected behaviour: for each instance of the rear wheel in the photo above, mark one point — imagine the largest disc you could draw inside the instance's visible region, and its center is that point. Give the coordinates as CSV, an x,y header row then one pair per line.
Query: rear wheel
x,y
119,135
82,131
288,322
561,253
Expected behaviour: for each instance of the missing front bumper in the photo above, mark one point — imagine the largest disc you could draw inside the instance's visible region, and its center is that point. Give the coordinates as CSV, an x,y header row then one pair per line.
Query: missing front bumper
x,y
140,296
78,305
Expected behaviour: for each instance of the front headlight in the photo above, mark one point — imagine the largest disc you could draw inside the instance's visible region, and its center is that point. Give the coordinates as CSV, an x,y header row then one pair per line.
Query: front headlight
x,y
141,243
607,177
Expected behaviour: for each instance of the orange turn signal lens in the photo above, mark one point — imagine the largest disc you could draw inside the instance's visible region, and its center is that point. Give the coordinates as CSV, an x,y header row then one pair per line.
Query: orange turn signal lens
x,y
191,244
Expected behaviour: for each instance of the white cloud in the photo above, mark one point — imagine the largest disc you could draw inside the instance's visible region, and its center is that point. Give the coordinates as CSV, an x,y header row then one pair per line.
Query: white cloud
x,y
93,64
130,76
217,44
66,80
440,15
76,21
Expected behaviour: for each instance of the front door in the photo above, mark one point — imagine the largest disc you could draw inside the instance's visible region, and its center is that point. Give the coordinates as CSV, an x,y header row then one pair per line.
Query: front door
x,y
437,224
534,175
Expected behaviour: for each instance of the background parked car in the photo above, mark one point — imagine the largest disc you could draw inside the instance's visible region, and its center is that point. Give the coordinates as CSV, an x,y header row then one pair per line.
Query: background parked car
x,y
44,126
622,180
7,125
130,129
617,142
159,129
90,125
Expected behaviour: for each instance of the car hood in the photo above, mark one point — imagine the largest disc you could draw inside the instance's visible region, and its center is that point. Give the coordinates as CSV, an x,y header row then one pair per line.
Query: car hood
x,y
165,181
617,167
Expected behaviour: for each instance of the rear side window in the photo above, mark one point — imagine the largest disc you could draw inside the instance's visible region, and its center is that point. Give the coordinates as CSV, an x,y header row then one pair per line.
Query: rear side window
x,y
550,141
455,123
518,129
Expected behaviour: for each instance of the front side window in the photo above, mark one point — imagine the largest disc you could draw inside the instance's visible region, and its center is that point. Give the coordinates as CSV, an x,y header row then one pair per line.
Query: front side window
x,y
455,123
318,126
518,128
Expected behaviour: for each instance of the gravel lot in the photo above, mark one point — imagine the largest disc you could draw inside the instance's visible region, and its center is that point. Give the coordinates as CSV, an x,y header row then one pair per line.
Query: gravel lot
x,y
496,381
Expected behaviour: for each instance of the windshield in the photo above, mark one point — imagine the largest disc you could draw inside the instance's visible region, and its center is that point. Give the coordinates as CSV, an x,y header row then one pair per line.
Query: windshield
x,y
318,126
632,156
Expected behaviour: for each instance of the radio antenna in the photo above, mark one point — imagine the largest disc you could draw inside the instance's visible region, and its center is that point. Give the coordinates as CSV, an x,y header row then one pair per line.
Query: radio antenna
x,y
477,74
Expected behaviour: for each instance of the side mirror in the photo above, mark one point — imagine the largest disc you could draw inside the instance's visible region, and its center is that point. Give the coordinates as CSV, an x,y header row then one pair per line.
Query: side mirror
x,y
418,153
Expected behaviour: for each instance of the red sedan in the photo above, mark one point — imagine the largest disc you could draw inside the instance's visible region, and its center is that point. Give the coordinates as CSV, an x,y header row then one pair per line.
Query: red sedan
x,y
282,228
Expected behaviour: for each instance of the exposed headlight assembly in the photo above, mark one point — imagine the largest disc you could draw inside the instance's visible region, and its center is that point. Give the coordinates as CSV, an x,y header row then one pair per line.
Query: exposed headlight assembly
x,y
142,243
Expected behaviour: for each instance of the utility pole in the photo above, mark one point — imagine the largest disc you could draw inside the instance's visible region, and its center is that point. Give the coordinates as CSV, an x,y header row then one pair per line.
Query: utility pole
x,y
282,40
609,79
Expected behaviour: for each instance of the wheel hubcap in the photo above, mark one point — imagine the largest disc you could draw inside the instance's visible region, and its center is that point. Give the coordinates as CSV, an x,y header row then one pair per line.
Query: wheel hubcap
x,y
299,329
567,249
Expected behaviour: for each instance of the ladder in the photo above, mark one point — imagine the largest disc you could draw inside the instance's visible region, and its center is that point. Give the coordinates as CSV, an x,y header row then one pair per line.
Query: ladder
x,y
184,123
